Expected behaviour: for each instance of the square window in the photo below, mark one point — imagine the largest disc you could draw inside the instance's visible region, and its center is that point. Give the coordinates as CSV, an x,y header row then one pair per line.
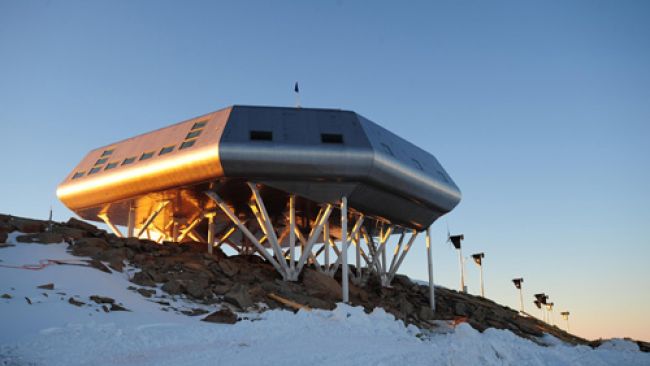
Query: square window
x,y
198,125
78,175
187,144
107,152
261,135
101,161
193,134
111,165
331,138
128,160
166,150
146,155
95,170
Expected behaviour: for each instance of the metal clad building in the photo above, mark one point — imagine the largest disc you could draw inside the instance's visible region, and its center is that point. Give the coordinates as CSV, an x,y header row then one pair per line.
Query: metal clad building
x,y
318,154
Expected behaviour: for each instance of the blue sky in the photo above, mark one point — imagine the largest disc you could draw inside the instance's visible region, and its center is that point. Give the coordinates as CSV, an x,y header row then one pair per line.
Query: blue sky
x,y
540,111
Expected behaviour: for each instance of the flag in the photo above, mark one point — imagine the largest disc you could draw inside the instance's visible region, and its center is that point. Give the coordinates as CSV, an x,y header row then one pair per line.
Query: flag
x,y
295,88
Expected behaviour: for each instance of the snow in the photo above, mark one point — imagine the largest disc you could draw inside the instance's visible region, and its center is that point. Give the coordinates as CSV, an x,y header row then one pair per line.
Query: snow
x,y
51,331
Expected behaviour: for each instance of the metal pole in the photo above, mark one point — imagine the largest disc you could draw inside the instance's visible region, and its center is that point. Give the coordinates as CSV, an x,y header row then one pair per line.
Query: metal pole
x,y
462,270
292,234
344,249
521,300
131,221
432,295
210,233
482,287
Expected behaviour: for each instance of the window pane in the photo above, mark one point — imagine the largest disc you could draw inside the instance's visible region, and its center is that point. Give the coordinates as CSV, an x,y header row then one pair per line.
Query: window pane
x,y
146,155
107,152
78,175
261,135
331,138
111,166
95,170
187,144
193,134
128,160
198,125
166,149
101,161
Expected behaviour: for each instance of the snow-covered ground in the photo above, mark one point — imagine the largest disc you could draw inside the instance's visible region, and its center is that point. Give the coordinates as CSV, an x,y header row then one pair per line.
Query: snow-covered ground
x,y
51,331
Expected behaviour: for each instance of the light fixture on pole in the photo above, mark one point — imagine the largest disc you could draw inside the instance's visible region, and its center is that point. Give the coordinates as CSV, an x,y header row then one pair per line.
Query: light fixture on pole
x,y
549,307
565,316
455,241
478,259
518,282
541,298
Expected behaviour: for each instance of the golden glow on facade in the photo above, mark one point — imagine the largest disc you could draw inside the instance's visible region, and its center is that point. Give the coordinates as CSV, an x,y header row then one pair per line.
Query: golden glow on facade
x,y
185,167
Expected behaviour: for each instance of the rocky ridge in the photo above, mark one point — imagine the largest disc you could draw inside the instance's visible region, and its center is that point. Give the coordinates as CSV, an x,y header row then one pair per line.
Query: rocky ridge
x,y
249,283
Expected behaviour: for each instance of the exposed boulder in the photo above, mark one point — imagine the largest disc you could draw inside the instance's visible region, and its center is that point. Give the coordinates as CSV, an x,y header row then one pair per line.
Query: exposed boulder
x,y
321,285
27,226
224,316
42,238
238,295
49,286
102,299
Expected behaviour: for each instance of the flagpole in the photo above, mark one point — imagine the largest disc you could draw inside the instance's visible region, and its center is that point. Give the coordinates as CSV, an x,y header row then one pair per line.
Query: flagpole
x,y
296,89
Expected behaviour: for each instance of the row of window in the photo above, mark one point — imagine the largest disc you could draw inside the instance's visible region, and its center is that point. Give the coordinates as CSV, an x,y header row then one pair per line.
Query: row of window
x,y
190,140
327,138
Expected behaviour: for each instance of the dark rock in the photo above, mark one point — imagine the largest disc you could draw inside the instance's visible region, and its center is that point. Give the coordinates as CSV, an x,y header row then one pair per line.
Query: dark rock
x,y
102,299
29,301
49,286
426,313
224,316
238,295
460,309
3,236
197,288
221,289
27,226
98,265
76,302
143,279
194,312
173,287
5,296
146,292
69,233
117,307
42,238
82,225
228,268
321,285
89,247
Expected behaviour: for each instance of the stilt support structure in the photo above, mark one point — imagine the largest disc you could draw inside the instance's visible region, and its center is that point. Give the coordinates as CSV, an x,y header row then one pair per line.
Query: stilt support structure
x,y
108,222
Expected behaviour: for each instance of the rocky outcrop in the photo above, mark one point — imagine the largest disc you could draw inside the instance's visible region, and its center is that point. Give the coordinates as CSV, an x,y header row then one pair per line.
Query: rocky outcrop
x,y
246,282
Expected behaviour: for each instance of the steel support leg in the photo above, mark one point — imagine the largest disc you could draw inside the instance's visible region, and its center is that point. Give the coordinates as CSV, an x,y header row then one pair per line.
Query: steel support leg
x,y
235,220
344,249
292,234
211,230
131,221
108,222
432,294
152,217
